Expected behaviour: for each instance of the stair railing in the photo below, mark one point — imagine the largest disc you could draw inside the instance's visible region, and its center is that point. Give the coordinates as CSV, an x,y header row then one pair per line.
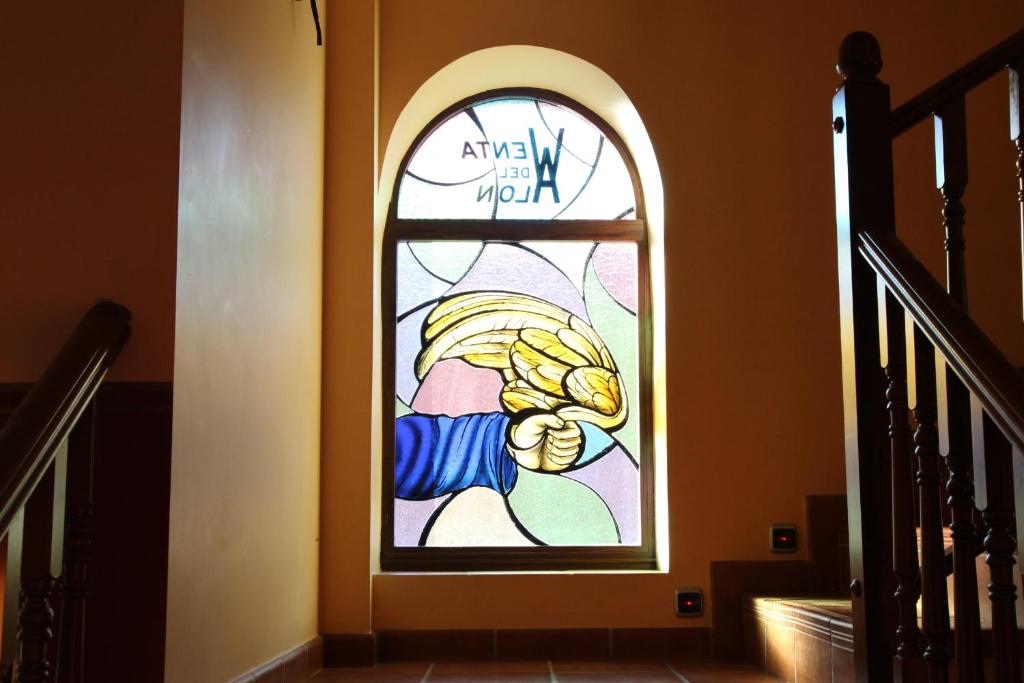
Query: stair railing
x,y
922,384
46,464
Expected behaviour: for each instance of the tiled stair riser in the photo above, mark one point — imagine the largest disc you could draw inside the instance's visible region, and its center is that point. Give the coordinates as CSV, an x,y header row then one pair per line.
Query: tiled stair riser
x,y
798,642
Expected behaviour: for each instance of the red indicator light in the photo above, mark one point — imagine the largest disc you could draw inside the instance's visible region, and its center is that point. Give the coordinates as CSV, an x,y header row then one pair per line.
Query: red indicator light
x,y
782,538
689,602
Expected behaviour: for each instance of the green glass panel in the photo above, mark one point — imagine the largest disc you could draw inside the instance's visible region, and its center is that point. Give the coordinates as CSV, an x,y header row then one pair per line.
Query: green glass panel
x,y
401,409
618,328
561,511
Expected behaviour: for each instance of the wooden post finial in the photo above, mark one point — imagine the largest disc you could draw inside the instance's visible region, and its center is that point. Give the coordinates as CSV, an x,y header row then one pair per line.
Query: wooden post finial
x,y
860,57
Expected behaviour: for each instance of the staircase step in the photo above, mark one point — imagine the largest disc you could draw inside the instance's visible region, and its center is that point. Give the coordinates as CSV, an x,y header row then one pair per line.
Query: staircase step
x,y
810,639
800,638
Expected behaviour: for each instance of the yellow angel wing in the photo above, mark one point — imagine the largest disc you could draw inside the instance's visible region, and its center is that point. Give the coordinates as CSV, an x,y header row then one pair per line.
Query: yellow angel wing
x,y
549,358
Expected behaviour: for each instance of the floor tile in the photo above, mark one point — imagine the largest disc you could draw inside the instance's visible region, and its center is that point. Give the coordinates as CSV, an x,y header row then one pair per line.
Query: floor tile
x,y
368,675
721,672
537,667
638,666
402,672
541,672
619,677
491,678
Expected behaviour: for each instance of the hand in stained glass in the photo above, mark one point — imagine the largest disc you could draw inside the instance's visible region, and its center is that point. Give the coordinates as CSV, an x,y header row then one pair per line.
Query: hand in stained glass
x,y
545,442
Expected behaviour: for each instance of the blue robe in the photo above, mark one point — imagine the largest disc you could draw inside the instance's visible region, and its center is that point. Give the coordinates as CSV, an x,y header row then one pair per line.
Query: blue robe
x,y
436,455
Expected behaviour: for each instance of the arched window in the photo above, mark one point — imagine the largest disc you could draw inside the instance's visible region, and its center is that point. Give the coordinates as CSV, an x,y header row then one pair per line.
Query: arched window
x,y
516,364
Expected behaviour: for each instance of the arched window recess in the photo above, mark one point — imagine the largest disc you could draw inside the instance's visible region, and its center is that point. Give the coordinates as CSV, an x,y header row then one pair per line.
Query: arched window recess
x,y
516,362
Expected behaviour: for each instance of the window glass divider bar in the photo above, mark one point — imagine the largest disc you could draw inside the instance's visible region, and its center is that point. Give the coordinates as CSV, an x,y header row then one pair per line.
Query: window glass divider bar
x,y
473,230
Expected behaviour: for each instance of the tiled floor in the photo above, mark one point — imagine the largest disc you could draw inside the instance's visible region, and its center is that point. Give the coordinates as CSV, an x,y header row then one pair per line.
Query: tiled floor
x,y
548,672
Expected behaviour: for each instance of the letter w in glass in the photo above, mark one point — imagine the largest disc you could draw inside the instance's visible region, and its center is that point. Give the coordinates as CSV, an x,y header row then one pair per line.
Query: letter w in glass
x,y
546,168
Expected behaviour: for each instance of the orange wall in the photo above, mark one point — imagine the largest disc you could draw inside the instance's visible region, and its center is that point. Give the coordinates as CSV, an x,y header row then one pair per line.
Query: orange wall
x,y
88,177
736,98
349,187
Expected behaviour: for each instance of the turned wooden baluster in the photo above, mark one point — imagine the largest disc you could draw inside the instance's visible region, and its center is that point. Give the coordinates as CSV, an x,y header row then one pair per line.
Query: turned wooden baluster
x,y
1017,136
77,547
966,543
904,534
12,595
951,179
935,610
944,472
993,470
35,618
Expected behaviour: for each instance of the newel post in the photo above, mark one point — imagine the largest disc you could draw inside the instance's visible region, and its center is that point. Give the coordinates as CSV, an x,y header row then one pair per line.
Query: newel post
x,y
864,200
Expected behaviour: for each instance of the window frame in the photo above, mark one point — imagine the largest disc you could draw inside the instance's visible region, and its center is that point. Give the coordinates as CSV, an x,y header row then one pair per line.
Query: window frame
x,y
396,230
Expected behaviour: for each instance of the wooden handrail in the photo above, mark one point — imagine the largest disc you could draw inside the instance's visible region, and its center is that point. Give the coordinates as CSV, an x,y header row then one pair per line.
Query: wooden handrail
x,y
958,83
981,366
31,436
904,333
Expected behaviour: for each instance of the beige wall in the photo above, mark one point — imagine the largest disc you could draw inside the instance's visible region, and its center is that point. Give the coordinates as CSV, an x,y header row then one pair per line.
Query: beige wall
x,y
88,177
736,98
242,579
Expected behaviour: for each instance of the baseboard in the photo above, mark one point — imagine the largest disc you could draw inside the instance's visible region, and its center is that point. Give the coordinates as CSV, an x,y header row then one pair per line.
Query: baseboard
x,y
349,649
298,664
516,645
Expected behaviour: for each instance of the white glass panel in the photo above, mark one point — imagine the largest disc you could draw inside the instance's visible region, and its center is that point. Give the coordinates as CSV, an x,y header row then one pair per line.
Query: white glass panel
x,y
516,158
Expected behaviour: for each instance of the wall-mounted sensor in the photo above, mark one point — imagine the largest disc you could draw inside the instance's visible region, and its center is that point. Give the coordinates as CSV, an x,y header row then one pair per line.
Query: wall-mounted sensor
x,y
783,538
689,602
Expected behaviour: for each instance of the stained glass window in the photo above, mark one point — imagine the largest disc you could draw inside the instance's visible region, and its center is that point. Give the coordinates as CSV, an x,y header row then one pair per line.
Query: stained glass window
x,y
491,338
516,158
515,373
